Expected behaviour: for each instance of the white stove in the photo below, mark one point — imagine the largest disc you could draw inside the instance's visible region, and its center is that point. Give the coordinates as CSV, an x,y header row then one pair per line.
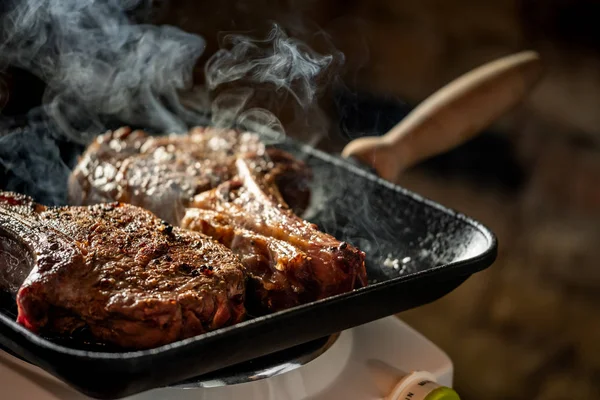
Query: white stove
x,y
372,361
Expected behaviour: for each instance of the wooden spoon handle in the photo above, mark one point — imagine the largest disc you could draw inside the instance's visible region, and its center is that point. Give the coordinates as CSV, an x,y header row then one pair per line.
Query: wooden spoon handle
x,y
450,116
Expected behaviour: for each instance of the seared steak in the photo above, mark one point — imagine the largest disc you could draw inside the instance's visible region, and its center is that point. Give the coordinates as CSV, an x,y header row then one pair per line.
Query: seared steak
x,y
288,259
236,192
131,279
163,173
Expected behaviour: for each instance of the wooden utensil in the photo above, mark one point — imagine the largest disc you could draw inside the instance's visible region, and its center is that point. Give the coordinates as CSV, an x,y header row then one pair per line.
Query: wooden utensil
x,y
450,116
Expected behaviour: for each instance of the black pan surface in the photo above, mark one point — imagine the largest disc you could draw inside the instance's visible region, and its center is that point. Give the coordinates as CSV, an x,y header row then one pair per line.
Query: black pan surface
x,y
417,251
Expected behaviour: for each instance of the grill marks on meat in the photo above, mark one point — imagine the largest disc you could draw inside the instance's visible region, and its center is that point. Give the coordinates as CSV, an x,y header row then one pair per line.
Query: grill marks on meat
x,y
236,191
289,260
162,174
132,279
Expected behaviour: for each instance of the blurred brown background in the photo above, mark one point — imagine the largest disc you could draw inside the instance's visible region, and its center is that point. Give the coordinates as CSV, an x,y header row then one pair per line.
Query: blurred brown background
x,y
528,328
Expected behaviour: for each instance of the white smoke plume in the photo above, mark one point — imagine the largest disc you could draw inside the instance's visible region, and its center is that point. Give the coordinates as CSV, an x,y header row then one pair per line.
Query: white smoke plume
x,y
249,78
103,70
97,64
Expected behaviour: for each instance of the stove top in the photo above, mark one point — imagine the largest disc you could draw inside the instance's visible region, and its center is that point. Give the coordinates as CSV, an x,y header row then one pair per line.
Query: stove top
x,y
350,365
270,365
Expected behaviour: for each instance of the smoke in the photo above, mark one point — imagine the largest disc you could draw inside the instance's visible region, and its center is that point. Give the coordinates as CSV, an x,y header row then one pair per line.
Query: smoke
x,y
38,167
98,65
102,70
250,80
282,61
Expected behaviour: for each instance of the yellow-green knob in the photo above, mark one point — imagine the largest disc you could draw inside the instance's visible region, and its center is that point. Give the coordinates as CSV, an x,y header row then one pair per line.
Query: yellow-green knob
x,y
442,393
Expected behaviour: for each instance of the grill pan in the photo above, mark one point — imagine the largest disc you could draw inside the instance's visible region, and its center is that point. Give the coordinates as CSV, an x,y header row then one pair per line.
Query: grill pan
x,y
440,249
417,251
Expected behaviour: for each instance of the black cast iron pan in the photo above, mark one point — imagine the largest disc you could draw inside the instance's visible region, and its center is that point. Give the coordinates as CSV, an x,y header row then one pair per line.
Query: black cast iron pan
x,y
417,251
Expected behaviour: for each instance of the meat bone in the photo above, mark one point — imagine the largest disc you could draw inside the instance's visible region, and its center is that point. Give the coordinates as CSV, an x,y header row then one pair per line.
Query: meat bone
x,y
451,116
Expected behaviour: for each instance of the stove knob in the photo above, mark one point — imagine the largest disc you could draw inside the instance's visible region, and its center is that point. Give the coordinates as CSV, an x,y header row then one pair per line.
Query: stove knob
x,y
421,385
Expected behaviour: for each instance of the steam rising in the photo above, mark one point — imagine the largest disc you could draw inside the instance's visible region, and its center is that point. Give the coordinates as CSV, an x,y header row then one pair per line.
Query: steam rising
x,y
279,60
102,71
33,157
96,64
267,71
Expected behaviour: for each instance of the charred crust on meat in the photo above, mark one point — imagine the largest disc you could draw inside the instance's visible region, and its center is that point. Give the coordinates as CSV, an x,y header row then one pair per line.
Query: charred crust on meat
x,y
206,269
283,254
283,181
128,150
106,283
195,273
185,268
165,227
123,283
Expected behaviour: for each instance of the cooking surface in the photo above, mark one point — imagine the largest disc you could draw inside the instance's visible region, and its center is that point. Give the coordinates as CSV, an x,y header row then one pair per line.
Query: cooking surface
x,y
400,232
417,251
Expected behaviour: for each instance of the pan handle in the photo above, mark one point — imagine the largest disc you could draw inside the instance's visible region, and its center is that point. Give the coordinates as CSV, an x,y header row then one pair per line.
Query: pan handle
x,y
450,116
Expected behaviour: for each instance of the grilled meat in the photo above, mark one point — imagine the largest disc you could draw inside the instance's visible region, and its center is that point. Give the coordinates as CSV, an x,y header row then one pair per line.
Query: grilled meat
x,y
236,192
131,279
289,260
162,174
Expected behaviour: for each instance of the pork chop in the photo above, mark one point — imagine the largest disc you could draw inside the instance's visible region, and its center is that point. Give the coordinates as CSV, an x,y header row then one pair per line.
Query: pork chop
x,y
163,173
289,260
